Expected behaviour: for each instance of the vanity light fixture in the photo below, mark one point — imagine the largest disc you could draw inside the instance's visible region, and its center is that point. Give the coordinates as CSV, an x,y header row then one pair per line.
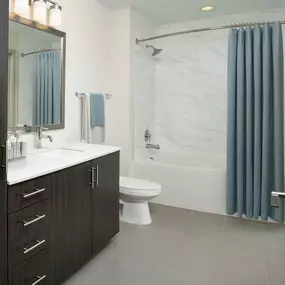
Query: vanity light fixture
x,y
207,8
22,8
46,12
40,11
55,15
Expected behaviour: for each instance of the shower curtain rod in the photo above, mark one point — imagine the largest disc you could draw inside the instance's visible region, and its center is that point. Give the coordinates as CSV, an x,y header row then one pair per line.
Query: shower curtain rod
x,y
39,51
238,25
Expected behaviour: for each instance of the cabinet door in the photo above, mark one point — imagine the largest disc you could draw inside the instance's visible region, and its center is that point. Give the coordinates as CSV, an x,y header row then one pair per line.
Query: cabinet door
x,y
4,12
105,200
71,221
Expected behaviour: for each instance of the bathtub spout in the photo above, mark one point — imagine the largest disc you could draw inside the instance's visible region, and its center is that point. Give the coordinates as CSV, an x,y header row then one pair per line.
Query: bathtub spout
x,y
153,146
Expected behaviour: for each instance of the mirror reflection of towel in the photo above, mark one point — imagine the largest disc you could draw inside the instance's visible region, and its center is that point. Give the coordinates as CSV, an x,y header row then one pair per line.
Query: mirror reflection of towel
x,y
90,134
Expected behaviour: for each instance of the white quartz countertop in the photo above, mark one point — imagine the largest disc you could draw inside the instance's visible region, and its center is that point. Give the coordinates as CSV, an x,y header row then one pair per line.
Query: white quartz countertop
x,y
48,161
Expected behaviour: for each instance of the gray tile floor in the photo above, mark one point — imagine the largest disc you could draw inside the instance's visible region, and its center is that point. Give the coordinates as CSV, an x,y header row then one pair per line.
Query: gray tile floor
x,y
185,247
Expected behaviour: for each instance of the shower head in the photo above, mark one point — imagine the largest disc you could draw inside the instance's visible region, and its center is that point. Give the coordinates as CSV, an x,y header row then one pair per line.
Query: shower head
x,y
156,51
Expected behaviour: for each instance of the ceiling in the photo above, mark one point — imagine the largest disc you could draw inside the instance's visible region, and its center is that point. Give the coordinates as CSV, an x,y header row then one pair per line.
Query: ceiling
x,y
169,11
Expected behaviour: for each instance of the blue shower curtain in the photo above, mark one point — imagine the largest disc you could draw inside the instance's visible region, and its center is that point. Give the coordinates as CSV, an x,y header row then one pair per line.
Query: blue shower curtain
x,y
47,88
255,137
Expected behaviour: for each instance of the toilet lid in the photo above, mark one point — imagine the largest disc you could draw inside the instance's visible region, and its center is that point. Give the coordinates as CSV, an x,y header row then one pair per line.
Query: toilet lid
x,y
136,186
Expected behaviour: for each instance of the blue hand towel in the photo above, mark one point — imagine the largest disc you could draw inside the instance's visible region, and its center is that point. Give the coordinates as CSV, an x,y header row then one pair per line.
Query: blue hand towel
x,y
97,109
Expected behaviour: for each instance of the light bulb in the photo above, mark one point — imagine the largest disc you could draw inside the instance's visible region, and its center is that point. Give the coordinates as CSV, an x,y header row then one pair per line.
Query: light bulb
x,y
40,11
207,8
55,13
22,8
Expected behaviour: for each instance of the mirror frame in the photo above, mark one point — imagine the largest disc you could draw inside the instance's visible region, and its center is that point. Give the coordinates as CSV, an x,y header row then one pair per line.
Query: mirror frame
x,y
62,35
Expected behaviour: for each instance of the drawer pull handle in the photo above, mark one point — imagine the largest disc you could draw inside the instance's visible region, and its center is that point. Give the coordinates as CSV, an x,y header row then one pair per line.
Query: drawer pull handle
x,y
97,176
92,178
38,218
25,196
39,243
40,278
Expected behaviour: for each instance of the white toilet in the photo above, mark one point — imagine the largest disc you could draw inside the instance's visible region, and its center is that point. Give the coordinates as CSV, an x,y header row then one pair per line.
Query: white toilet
x,y
135,194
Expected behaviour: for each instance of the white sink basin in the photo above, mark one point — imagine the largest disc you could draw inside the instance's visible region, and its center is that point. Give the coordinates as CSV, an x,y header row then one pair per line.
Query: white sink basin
x,y
59,153
71,149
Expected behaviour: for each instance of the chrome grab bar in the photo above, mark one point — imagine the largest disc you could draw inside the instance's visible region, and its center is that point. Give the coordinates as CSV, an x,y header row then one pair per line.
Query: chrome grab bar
x,y
277,196
38,218
27,250
25,196
40,278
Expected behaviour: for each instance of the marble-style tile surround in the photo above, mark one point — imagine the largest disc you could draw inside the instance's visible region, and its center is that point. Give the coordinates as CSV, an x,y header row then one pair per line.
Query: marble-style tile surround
x,y
190,93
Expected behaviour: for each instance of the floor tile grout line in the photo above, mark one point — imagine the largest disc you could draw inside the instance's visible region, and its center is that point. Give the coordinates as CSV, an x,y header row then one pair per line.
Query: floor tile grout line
x,y
266,267
224,224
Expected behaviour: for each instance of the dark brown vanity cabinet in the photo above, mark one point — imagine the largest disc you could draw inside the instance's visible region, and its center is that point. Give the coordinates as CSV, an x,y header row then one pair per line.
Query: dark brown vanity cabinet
x,y
32,271
85,213
105,200
58,222
71,221
29,227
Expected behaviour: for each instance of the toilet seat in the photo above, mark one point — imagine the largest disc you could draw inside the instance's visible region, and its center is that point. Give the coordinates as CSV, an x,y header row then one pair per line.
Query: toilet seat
x,y
139,187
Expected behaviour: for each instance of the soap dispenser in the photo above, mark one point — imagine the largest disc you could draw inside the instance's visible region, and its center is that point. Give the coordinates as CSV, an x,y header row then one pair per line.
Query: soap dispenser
x,y
21,149
10,145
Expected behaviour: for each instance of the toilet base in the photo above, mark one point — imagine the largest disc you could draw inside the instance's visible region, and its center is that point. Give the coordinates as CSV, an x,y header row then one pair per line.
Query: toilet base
x,y
136,213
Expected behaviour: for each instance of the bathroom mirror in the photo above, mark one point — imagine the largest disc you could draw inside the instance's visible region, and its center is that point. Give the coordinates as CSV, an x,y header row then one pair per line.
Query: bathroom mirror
x,y
36,75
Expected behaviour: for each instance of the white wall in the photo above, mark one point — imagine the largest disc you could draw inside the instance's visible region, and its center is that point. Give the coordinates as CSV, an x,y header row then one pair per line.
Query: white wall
x,y
119,117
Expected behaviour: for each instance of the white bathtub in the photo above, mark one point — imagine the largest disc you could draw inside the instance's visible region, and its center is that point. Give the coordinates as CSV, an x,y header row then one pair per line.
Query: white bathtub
x,y
196,182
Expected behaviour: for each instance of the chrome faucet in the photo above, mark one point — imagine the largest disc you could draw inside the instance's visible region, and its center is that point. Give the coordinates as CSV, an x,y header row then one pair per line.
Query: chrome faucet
x,y
40,136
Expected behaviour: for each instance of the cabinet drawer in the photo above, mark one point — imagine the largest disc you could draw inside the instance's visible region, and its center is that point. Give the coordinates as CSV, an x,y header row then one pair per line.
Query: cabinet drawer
x,y
33,271
25,247
33,219
28,193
